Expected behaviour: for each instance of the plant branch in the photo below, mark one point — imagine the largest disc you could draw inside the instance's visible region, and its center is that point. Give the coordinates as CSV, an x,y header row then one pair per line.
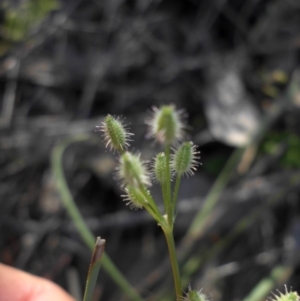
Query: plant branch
x,y
85,233
174,262
167,187
175,194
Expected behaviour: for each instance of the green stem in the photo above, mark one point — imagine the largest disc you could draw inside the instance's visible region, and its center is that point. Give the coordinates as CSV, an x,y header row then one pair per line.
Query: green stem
x,y
164,194
151,202
167,187
152,212
65,193
85,233
174,262
154,209
175,194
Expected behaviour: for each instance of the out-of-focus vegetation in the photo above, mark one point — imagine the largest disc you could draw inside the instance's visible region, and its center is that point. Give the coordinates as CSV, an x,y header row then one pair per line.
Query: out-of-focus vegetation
x,y
291,141
19,18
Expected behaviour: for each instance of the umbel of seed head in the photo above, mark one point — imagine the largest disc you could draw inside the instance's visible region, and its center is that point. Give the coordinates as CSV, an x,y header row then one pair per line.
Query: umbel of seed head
x,y
185,159
166,125
132,170
134,197
115,133
159,168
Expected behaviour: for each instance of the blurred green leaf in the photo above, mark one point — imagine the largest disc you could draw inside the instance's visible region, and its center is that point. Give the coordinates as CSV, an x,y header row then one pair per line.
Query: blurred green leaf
x,y
291,158
20,18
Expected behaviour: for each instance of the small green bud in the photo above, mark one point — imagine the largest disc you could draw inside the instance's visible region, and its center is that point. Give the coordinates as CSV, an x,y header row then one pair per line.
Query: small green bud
x,y
287,296
115,133
134,198
185,159
166,125
133,171
193,295
159,168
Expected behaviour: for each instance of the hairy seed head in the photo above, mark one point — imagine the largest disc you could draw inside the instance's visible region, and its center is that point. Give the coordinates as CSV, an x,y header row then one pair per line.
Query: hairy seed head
x,y
166,125
132,170
287,296
115,133
194,295
185,159
159,168
134,198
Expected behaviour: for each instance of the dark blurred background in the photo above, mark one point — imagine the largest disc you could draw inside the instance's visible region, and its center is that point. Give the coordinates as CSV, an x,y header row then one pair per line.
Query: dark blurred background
x,y
233,65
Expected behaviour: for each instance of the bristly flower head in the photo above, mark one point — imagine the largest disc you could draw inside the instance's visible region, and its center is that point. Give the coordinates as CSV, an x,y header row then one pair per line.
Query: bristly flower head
x,y
193,295
185,159
115,133
134,198
166,125
287,296
159,170
132,170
